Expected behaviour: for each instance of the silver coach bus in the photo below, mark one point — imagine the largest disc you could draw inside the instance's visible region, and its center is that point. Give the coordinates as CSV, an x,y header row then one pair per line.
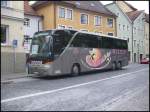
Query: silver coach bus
x,y
62,51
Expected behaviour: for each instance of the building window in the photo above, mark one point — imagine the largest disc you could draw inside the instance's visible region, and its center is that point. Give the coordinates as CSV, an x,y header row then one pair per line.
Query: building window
x,y
111,34
4,3
97,20
69,14
69,27
84,30
127,28
134,42
128,40
118,14
142,43
110,22
27,22
123,27
84,19
119,26
26,43
4,34
61,26
61,12
134,30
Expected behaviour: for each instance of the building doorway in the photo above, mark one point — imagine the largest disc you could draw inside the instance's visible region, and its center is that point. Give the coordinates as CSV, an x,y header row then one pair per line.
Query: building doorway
x,y
134,57
141,56
129,57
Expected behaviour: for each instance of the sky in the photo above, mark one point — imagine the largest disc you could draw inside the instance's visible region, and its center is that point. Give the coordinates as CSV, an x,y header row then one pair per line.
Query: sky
x,y
140,5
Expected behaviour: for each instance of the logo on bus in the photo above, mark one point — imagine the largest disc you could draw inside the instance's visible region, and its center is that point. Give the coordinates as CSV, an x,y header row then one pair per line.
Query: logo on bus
x,y
95,58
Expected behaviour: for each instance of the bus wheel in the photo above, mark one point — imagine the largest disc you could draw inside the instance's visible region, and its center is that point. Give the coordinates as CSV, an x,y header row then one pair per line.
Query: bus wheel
x,y
75,70
119,65
113,66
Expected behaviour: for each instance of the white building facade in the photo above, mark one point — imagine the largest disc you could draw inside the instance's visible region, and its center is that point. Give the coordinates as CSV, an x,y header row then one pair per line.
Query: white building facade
x,y
12,18
124,26
32,24
130,26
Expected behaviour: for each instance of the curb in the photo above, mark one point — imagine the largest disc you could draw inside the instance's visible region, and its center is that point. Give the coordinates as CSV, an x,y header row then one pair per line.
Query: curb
x,y
7,82
10,80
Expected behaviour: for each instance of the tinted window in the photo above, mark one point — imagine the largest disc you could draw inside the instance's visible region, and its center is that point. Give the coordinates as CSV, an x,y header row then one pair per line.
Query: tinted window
x,y
79,41
124,44
91,41
72,32
61,39
99,42
113,43
85,40
107,43
118,44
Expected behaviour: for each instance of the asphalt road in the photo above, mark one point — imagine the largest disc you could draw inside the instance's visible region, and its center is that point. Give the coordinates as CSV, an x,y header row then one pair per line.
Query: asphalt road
x,y
126,89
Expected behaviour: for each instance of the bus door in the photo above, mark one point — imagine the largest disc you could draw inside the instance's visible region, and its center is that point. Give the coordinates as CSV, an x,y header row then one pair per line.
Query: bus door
x,y
61,51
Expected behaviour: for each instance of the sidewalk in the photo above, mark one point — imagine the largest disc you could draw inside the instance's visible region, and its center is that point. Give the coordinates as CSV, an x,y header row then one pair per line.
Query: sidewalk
x,y
6,78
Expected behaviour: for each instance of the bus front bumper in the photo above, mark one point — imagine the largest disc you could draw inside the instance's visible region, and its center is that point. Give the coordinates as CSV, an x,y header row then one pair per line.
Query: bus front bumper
x,y
41,70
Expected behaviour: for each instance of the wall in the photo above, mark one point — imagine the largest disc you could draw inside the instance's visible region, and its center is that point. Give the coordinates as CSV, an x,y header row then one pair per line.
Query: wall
x,y
139,35
13,16
51,19
146,40
122,19
124,6
76,24
33,27
48,13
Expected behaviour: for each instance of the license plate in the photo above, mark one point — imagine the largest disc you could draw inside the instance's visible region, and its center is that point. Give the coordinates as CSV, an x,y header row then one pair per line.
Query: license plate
x,y
36,62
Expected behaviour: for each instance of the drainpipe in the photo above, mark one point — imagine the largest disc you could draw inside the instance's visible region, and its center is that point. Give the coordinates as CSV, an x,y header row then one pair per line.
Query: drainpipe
x,y
38,25
116,26
132,42
143,47
54,14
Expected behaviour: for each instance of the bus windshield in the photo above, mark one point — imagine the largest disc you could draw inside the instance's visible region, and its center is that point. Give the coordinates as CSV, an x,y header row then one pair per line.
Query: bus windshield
x,y
41,44
50,43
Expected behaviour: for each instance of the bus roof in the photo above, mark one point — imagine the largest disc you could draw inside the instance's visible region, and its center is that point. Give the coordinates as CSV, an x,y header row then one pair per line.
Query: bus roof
x,y
103,35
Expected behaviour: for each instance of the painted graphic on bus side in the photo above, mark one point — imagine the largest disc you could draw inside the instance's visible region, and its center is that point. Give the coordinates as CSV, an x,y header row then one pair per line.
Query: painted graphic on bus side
x,y
96,59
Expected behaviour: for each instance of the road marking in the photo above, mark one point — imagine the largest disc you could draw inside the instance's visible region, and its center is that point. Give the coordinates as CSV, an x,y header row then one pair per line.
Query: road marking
x,y
69,87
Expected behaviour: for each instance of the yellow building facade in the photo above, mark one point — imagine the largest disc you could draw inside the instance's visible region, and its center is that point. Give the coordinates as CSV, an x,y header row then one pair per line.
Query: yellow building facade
x,y
51,19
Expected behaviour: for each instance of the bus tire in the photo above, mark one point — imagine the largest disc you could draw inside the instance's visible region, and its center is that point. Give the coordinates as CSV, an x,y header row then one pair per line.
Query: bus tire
x,y
75,70
113,66
119,65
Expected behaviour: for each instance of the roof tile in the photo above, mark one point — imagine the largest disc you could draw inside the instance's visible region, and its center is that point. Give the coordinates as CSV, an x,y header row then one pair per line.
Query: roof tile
x,y
133,14
95,6
28,9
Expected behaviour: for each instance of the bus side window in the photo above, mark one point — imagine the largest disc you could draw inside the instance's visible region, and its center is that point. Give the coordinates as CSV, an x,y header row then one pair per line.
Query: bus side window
x,y
124,44
79,41
107,43
99,42
91,41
